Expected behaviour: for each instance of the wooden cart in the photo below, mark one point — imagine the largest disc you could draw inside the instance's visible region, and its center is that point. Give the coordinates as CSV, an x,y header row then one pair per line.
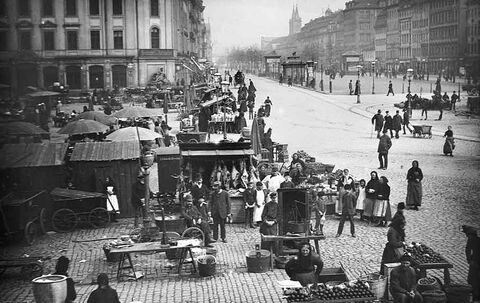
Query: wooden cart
x,y
74,206
21,212
424,131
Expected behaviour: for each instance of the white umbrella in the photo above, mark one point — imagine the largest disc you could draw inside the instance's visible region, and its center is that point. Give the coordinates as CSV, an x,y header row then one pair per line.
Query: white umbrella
x,y
132,134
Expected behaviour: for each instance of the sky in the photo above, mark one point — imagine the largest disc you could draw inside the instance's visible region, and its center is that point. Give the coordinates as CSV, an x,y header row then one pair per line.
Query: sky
x,y
241,23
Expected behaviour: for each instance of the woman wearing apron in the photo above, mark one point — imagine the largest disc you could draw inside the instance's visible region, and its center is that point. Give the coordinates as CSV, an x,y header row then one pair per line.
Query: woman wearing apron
x,y
112,201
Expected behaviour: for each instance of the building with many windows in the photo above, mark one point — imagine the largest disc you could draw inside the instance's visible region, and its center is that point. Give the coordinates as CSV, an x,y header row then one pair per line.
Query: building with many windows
x,y
90,44
472,52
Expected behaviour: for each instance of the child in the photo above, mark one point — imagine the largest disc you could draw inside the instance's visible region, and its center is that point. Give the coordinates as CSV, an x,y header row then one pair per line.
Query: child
x,y
319,208
361,194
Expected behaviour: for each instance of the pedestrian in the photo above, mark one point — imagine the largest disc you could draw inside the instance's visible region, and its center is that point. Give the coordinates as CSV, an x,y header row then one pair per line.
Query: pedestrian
x,y
390,88
445,98
288,183
243,106
381,209
251,87
199,190
371,195
357,87
388,123
268,106
406,120
453,100
378,121
269,226
395,246
472,252
361,196
193,218
220,209
449,144
319,208
414,186
112,200
350,87
251,106
261,111
384,144
260,200
306,267
348,211
61,268
341,182
249,196
104,293
397,123
425,104
138,197
403,283
230,79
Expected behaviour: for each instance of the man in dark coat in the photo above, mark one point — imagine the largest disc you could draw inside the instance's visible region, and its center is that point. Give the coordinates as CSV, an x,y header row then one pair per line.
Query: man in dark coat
x,y
261,111
472,253
249,199
203,118
384,145
199,190
403,283
388,123
406,121
378,120
390,88
193,217
269,224
454,100
104,293
348,210
243,106
251,87
397,123
220,210
268,106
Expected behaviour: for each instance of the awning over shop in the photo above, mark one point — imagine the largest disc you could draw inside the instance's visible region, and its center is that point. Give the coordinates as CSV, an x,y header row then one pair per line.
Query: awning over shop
x,y
216,153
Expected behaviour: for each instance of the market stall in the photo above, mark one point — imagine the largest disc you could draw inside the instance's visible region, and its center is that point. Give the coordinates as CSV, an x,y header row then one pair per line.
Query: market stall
x,y
425,258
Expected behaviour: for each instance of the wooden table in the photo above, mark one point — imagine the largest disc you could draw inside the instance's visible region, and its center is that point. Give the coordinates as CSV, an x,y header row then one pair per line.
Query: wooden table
x,y
126,263
424,266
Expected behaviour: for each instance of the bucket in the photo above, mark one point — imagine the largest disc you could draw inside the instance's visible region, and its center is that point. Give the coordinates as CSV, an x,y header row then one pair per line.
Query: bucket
x,y
206,265
428,283
50,289
258,264
458,293
378,284
434,296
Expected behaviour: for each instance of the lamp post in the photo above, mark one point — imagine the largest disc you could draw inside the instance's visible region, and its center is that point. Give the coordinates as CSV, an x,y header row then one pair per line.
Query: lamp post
x,y
373,77
321,77
359,67
409,76
225,85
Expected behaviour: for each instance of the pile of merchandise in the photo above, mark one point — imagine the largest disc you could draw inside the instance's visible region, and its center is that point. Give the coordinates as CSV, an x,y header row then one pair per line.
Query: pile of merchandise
x,y
326,292
422,254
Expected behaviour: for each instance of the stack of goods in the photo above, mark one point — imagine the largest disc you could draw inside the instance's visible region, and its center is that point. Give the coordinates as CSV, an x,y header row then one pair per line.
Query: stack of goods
x,y
422,254
356,290
219,118
297,294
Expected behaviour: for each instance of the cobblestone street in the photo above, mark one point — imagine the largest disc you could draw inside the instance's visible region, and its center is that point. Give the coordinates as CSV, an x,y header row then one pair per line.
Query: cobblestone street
x,y
335,130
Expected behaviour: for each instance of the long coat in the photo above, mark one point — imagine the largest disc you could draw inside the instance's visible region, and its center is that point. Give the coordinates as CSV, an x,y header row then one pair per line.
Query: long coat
x,y
384,144
220,204
378,120
388,122
397,122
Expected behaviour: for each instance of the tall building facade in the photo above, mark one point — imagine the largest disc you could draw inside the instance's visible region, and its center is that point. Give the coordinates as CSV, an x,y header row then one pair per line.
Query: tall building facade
x,y
472,53
90,44
420,34
381,35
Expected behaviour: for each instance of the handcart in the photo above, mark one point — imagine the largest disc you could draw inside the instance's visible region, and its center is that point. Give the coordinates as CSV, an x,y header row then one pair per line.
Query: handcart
x,y
424,131
74,206
21,212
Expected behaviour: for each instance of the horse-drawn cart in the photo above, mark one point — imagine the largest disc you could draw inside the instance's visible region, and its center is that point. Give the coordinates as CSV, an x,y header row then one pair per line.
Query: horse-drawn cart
x,y
424,131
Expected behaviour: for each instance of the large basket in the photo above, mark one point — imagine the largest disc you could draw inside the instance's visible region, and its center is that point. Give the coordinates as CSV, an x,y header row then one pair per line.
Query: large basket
x,y
427,283
258,264
206,265
378,284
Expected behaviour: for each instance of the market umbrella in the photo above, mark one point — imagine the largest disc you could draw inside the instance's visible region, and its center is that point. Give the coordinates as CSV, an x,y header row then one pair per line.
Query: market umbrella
x,y
97,116
130,134
135,112
43,94
20,128
256,138
83,126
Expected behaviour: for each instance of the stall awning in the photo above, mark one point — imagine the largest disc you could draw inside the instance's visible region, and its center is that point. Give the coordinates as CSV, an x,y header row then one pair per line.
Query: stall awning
x,y
32,155
72,194
213,153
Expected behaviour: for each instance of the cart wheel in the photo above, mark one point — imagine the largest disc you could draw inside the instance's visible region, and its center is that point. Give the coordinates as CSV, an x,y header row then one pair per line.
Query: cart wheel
x,y
29,233
194,233
99,217
64,220
31,271
42,220
136,234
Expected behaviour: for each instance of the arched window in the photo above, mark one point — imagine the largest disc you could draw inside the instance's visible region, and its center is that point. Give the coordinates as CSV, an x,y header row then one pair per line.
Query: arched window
x,y
155,37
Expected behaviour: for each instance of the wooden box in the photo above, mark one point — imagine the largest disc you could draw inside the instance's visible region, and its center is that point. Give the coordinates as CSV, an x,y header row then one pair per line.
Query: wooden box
x,y
387,269
332,274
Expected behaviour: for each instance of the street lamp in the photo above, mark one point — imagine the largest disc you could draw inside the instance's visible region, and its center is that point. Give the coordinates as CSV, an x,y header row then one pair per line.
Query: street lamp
x,y
359,67
373,77
409,76
321,77
225,85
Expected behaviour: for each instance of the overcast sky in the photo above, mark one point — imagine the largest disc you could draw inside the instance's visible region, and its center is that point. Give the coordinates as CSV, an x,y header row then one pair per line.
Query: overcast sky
x,y
243,22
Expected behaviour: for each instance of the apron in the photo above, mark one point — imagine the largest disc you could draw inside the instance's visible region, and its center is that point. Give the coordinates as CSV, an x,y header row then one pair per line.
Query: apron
x,y
112,201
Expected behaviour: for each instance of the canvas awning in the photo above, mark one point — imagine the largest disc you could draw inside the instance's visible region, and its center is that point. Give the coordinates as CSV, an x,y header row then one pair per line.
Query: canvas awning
x,y
216,153
72,194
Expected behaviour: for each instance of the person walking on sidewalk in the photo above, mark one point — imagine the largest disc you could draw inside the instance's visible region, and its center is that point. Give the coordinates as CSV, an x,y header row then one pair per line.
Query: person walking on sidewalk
x,y
378,120
384,145
388,123
268,106
390,88
406,121
350,87
397,123
454,98
348,211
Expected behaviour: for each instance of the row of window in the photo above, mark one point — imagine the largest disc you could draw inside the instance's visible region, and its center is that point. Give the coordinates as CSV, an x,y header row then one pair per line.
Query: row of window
x,y
405,53
421,37
25,39
405,39
473,12
473,48
420,23
444,33
442,3
474,29
449,16
448,50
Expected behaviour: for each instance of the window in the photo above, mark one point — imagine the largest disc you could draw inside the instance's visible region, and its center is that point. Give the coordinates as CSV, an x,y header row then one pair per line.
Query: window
x,y
117,7
117,39
95,39
71,7
155,37
47,8
4,39
48,40
94,8
154,8
72,40
25,40
23,8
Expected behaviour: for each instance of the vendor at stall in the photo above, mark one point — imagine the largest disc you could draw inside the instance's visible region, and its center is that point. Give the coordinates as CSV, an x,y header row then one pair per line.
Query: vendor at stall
x,y
403,283
306,267
269,224
193,218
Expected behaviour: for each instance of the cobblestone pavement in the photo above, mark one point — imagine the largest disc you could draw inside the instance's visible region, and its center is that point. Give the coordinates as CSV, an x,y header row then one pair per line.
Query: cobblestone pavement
x,y
342,137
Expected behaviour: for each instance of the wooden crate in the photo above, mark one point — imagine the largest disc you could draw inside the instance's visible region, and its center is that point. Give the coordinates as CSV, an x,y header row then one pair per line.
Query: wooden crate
x,y
332,274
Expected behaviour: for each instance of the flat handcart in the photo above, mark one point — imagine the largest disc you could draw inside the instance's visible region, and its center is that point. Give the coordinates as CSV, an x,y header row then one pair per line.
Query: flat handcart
x,y
422,131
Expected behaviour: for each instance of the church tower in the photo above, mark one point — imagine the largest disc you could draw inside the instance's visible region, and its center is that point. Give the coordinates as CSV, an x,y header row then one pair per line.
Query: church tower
x,y
295,23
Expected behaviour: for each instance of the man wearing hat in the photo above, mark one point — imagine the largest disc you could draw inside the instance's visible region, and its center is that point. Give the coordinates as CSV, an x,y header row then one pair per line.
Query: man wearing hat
x,y
138,197
249,198
199,190
104,293
220,210
403,283
193,217
269,224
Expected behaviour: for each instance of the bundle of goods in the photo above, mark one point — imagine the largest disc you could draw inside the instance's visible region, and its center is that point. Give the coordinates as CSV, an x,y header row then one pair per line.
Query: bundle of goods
x,y
331,291
319,168
422,254
306,157
297,294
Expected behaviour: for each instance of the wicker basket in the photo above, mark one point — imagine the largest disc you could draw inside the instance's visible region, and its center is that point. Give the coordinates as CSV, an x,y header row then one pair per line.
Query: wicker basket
x,y
378,284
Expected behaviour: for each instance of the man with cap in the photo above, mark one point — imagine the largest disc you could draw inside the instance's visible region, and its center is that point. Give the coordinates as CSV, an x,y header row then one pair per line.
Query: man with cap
x,y
269,224
199,190
249,196
193,218
378,121
220,209
104,293
138,197
403,283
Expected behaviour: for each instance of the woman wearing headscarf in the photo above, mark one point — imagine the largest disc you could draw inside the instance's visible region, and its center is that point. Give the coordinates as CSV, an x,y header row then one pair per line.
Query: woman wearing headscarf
x,y
414,186
381,208
394,248
61,269
306,267
296,159
371,195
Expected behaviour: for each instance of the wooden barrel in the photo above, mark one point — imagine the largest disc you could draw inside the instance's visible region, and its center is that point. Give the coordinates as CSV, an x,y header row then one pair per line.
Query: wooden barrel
x,y
50,289
260,262
206,265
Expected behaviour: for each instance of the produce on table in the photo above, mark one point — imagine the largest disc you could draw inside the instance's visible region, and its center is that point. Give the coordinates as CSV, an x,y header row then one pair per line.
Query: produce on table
x,y
347,290
421,254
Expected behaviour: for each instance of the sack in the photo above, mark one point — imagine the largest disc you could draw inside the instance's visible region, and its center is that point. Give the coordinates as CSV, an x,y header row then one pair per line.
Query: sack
x,y
399,252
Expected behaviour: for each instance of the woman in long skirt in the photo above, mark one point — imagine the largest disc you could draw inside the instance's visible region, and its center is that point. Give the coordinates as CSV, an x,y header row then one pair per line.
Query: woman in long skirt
x,y
371,195
449,145
361,196
414,186
381,210
112,201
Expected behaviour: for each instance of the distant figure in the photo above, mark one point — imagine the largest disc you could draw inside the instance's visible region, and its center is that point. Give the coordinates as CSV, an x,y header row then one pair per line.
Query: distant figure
x,y
251,87
104,293
268,106
453,99
449,145
397,123
388,123
350,87
390,88
406,121
251,106
289,80
378,121
357,87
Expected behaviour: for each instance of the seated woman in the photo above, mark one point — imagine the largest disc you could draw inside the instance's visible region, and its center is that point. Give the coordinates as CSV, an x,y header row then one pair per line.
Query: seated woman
x,y
193,218
306,267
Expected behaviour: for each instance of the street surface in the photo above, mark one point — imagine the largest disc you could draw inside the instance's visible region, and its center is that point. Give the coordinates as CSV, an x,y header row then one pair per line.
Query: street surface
x,y
333,129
